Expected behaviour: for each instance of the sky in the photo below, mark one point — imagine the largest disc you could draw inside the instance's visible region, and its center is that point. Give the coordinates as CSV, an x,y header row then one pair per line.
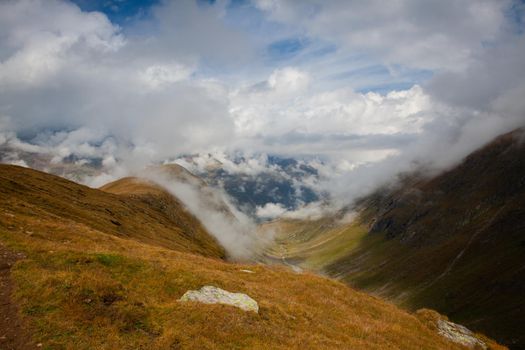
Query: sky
x,y
366,89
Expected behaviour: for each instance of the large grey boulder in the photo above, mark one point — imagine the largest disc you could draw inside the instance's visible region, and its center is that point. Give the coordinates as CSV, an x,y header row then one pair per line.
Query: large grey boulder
x,y
214,295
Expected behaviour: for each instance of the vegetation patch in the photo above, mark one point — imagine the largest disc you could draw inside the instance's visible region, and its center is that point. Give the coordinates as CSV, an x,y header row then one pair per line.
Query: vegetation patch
x,y
109,259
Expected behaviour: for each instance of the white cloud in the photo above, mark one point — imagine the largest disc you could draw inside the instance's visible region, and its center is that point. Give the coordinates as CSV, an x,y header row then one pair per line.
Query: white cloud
x,y
250,164
312,211
327,122
288,80
270,210
193,29
19,162
61,68
160,75
236,232
434,35
42,37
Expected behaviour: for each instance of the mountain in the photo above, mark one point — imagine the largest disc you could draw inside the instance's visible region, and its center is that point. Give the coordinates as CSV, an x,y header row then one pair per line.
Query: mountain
x,y
105,269
157,198
284,181
70,167
453,242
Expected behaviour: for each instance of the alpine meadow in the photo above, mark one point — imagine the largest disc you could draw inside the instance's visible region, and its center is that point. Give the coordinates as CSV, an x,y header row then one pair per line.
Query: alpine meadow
x,y
262,174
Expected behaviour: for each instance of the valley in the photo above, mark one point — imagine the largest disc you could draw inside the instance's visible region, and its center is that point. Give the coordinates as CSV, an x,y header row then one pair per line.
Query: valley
x,y
105,270
262,175
452,242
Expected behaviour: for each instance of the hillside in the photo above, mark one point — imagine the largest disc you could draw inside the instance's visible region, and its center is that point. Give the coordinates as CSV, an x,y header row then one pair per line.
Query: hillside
x,y
83,281
43,198
454,242
155,197
72,167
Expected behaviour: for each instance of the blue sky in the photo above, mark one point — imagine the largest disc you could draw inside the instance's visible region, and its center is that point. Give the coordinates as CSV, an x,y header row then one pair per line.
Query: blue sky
x,y
120,12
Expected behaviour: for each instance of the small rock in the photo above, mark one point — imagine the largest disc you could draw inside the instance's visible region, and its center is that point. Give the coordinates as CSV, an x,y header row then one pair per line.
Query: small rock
x,y
39,345
296,269
214,295
247,271
459,334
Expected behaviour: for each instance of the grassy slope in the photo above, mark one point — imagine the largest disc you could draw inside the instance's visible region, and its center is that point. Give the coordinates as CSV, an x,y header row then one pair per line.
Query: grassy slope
x,y
313,244
50,198
453,243
87,285
155,197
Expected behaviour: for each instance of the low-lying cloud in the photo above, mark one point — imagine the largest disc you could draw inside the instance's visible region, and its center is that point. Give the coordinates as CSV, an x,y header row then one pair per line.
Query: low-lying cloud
x,y
235,231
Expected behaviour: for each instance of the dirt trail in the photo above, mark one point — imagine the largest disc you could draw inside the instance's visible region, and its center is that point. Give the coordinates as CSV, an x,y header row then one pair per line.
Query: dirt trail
x,y
13,334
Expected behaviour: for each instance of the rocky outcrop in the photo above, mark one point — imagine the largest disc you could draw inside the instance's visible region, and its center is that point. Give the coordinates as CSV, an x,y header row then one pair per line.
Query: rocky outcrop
x,y
214,295
459,334
452,331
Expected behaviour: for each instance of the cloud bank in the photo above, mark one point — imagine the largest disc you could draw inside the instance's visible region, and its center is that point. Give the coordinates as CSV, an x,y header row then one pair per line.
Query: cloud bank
x,y
370,89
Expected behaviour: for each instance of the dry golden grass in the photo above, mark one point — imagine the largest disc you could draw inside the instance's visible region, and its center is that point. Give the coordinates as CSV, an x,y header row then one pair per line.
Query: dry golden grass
x,y
85,287
143,212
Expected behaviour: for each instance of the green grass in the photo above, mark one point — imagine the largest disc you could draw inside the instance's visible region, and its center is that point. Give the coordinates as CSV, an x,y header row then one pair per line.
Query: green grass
x,y
109,259
343,240
315,245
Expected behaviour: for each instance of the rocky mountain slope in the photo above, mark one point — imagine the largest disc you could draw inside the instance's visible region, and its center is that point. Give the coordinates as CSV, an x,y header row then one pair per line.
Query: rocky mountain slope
x,y
101,270
453,242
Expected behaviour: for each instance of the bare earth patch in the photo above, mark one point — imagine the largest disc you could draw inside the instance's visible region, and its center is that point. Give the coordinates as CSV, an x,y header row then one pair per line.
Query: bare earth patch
x,y
13,333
